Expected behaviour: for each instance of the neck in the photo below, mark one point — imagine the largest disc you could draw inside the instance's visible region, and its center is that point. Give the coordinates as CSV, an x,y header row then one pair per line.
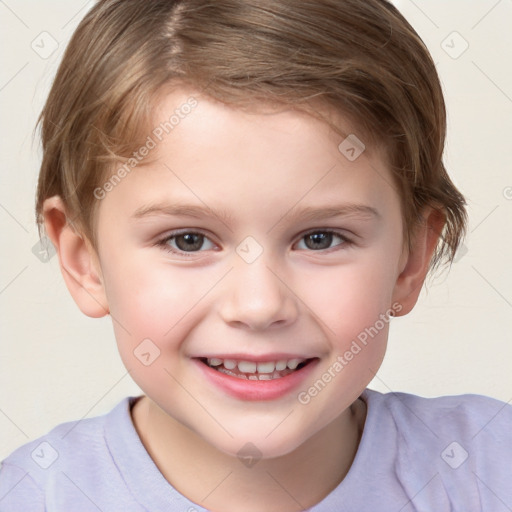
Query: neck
x,y
220,482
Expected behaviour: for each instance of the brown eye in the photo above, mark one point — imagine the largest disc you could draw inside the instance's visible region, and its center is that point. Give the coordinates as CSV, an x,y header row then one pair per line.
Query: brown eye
x,y
318,240
186,242
189,241
322,240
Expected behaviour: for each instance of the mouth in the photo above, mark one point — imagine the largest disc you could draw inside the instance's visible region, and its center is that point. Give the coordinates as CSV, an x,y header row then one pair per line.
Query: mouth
x,y
256,378
257,371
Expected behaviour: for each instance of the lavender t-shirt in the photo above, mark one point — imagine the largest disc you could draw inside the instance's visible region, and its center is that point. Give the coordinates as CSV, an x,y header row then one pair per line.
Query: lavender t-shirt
x,y
452,454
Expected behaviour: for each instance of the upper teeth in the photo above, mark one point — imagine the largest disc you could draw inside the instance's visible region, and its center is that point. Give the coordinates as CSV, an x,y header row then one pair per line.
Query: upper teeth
x,y
253,367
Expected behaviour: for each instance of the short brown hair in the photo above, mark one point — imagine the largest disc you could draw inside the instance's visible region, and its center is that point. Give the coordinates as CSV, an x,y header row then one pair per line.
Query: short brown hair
x,y
358,58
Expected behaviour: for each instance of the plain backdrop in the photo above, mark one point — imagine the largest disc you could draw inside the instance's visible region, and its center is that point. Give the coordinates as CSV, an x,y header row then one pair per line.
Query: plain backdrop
x,y
57,365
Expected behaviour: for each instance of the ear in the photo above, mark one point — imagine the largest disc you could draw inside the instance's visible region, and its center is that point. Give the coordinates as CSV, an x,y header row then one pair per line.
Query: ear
x,y
79,263
415,263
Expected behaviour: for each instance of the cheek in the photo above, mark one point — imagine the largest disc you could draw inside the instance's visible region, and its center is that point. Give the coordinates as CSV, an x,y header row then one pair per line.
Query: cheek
x,y
146,294
348,298
146,301
353,304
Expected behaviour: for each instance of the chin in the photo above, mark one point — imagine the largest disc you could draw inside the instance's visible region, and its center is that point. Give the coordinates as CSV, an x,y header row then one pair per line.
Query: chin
x,y
251,442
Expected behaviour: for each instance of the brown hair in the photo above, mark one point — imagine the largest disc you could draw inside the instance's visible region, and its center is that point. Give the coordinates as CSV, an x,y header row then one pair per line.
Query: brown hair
x,y
359,59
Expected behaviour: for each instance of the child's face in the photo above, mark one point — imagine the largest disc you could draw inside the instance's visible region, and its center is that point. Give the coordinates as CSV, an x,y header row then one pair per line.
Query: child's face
x,y
251,287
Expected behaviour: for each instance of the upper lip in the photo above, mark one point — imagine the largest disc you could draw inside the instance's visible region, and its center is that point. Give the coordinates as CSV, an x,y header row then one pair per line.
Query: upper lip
x,y
260,358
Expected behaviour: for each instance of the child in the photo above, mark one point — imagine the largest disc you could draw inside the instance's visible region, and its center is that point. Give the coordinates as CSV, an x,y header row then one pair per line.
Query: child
x,y
198,156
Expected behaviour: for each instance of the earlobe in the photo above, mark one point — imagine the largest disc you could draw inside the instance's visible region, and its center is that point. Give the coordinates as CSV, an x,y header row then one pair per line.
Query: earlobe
x,y
412,276
77,258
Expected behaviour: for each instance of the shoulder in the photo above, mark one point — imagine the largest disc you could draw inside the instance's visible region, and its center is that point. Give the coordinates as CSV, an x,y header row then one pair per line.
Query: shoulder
x,y
456,446
467,414
51,462
472,421
62,443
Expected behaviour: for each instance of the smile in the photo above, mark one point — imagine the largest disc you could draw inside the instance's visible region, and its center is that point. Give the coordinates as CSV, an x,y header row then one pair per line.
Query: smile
x,y
252,370
259,378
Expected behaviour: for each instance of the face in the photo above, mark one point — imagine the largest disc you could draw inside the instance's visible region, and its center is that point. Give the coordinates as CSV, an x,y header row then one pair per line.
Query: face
x,y
249,271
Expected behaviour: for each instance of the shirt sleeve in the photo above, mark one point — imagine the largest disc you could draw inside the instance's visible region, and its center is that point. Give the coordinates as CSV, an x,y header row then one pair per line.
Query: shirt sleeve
x,y
18,492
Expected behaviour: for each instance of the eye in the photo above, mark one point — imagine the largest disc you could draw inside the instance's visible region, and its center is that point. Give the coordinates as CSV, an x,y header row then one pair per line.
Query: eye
x,y
185,242
322,240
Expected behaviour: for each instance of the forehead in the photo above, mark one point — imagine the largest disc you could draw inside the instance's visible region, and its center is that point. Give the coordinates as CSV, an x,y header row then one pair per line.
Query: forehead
x,y
266,157
212,125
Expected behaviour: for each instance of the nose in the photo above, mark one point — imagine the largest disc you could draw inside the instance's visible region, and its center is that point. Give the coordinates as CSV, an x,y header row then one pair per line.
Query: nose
x,y
256,297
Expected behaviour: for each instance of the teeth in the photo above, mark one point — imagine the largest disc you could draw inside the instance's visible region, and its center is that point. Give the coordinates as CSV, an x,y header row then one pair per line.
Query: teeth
x,y
293,363
265,370
246,366
266,367
227,372
263,376
229,364
281,365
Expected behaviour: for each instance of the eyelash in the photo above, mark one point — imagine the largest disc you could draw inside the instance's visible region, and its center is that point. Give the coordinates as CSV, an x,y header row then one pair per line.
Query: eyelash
x,y
164,242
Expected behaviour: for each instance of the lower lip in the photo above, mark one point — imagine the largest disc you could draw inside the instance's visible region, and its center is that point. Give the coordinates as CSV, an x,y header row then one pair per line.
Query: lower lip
x,y
245,389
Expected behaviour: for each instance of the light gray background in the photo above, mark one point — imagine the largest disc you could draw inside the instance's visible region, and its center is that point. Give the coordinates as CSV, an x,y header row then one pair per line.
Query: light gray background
x,y
57,365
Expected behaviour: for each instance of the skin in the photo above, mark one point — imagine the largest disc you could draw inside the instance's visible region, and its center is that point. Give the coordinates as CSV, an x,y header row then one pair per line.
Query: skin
x,y
261,167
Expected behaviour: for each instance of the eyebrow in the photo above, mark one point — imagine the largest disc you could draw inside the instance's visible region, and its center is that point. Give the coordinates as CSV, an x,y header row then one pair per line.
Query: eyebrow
x,y
308,213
